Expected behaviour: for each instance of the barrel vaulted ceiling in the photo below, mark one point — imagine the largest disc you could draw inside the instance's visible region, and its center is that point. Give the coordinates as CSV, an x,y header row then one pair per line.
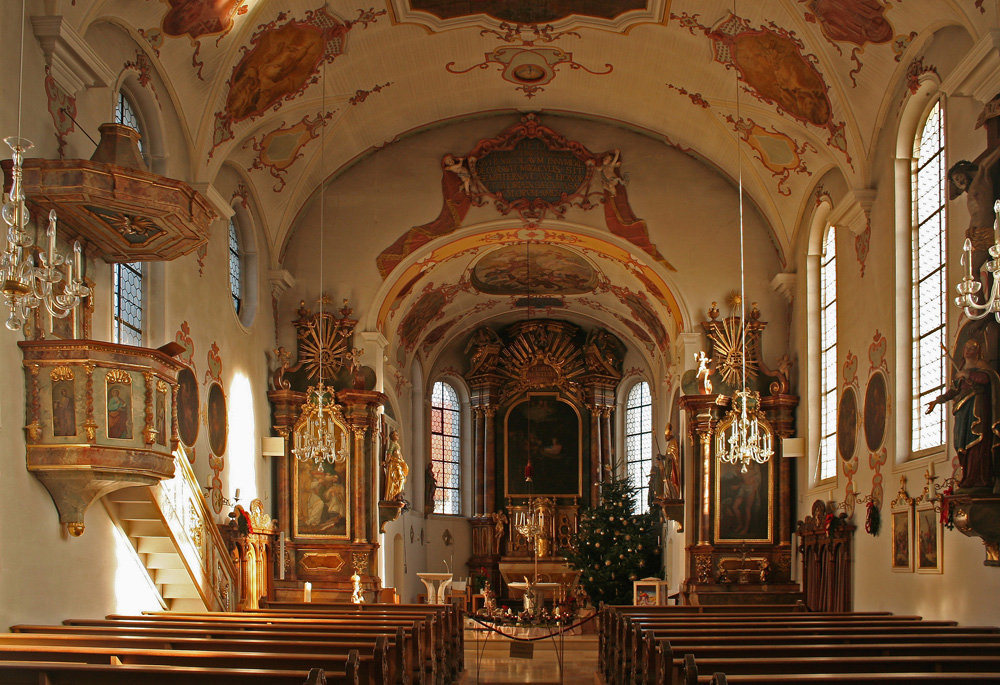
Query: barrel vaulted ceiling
x,y
255,82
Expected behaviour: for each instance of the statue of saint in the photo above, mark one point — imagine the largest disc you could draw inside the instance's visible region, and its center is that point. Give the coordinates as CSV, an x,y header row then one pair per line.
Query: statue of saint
x,y
430,487
396,469
975,395
976,179
704,382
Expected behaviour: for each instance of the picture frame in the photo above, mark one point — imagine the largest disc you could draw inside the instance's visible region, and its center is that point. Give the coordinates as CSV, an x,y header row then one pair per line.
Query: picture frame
x,y
901,549
323,494
744,503
550,430
928,540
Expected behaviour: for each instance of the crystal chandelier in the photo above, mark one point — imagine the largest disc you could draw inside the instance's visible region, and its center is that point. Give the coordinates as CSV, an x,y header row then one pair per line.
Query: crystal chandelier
x,y
747,441
315,437
744,440
24,284
968,288
315,432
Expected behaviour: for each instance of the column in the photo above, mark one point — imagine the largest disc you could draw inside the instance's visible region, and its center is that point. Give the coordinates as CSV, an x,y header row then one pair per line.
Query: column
x,y
479,461
489,445
596,460
606,444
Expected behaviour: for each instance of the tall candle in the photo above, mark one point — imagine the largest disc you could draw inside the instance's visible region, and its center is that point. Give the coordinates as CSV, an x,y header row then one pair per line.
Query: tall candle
x,y
307,592
237,494
281,561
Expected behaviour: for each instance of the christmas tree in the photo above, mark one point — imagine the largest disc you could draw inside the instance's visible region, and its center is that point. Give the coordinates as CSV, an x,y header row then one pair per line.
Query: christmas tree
x,y
615,546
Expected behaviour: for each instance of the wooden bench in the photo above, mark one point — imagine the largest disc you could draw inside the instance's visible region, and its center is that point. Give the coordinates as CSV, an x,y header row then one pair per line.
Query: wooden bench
x,y
847,671
440,648
58,673
414,659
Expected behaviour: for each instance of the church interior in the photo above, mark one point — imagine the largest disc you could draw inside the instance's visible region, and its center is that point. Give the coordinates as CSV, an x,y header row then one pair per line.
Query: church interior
x,y
327,301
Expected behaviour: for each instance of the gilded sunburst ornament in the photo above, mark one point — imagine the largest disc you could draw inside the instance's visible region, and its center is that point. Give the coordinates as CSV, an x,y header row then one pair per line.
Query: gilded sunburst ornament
x,y
728,340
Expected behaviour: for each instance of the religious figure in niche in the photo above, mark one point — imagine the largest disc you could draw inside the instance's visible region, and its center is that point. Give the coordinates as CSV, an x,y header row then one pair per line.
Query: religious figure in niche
x,y
119,415
63,409
975,395
396,469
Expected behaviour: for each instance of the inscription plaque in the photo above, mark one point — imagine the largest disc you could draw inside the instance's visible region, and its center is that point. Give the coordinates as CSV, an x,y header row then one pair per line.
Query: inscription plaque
x,y
531,171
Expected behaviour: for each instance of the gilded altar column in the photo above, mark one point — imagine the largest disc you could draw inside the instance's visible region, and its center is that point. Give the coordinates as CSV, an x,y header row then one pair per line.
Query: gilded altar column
x,y
596,459
479,457
703,412
779,410
489,448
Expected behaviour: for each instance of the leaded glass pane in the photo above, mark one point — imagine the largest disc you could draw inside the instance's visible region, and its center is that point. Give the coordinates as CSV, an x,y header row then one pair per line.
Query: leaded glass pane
x,y
828,357
235,275
446,448
127,304
929,297
639,440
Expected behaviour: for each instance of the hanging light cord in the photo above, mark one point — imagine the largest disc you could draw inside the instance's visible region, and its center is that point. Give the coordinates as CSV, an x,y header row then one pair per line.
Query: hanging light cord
x,y
739,162
20,74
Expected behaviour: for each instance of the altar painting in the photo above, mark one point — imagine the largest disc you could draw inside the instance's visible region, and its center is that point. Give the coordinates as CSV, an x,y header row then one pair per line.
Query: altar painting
x,y
547,429
744,502
322,497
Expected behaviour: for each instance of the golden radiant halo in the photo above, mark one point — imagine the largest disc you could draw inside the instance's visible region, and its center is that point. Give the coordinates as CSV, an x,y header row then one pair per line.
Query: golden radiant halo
x,y
728,340
322,347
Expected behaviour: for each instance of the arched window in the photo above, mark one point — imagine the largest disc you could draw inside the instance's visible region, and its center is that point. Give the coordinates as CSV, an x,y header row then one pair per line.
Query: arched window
x,y
928,281
126,113
235,266
446,449
128,285
639,439
128,298
827,467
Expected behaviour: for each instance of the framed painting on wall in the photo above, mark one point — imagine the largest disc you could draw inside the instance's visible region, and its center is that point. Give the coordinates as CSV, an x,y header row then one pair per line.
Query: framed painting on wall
x,y
744,502
187,407
927,539
218,430
902,550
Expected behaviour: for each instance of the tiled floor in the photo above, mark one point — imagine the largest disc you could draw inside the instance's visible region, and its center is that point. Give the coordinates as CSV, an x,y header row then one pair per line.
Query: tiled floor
x,y
489,661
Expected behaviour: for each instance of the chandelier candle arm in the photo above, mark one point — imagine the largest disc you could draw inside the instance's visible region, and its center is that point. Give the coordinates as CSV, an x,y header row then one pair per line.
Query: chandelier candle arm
x,y
969,287
25,286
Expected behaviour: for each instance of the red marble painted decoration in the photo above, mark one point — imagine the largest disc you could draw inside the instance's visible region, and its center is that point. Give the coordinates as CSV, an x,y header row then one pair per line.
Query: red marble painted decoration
x,y
527,11
197,18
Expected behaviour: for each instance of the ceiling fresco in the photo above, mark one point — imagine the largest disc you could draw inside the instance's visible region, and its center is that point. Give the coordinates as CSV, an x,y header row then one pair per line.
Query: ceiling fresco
x,y
298,92
533,270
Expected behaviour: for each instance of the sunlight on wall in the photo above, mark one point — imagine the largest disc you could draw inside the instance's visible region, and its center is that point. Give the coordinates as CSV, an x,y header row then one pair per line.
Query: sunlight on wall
x,y
134,591
242,452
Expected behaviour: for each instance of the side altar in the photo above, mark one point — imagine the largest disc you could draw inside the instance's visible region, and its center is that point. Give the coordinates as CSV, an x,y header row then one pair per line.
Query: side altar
x,y
740,521
327,508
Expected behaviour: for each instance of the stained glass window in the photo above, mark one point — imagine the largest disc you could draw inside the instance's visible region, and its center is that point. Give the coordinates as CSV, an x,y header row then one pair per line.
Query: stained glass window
x,y
929,286
128,301
446,449
828,356
639,440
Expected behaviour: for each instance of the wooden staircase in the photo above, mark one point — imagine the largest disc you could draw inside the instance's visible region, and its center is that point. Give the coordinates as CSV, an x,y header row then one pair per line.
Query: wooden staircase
x,y
136,514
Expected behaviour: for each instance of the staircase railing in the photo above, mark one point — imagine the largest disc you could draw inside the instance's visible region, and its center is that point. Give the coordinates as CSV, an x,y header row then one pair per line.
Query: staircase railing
x,y
196,537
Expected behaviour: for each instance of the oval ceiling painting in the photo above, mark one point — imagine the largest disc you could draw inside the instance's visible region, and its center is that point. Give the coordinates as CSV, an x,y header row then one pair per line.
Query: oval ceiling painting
x,y
533,269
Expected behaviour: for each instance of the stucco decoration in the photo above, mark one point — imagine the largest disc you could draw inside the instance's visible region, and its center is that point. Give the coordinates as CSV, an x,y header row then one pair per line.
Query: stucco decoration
x,y
528,66
534,172
858,22
772,63
779,152
280,62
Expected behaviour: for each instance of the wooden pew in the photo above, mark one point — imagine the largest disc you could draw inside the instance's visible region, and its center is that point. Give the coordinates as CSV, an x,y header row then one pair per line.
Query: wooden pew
x,y
416,659
625,647
401,660
433,654
353,668
58,673
866,672
449,617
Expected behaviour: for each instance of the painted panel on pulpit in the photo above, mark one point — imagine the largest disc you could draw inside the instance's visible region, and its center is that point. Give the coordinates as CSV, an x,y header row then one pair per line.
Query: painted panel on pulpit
x,y
549,431
322,498
744,502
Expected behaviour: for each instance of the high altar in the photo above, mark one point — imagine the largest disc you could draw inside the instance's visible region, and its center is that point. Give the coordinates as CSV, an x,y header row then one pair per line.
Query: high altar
x,y
542,398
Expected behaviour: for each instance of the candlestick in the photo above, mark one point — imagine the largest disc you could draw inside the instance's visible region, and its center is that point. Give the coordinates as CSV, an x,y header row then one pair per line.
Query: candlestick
x,y
281,561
